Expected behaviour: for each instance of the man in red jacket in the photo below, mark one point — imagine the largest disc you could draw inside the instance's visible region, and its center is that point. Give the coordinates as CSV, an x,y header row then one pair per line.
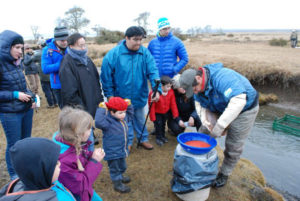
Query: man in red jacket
x,y
160,110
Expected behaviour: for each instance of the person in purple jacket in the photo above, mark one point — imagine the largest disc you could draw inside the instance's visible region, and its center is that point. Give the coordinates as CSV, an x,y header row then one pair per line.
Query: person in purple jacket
x,y
79,166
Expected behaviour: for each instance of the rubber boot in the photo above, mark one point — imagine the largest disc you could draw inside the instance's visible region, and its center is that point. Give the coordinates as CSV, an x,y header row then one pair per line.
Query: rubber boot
x,y
120,187
220,181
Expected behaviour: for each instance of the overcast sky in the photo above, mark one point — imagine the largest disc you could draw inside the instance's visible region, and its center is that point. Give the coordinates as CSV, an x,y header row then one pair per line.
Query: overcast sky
x,y
19,15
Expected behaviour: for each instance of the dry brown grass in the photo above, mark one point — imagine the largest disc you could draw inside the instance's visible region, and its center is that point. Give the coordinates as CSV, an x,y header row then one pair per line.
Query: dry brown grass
x,y
151,171
248,53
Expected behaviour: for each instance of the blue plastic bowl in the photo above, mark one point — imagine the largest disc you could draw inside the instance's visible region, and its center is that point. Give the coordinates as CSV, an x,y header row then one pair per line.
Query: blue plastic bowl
x,y
185,137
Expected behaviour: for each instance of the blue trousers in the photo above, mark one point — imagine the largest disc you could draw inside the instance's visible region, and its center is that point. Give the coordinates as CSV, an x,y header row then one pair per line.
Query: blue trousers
x,y
116,168
57,94
137,125
16,126
51,100
92,139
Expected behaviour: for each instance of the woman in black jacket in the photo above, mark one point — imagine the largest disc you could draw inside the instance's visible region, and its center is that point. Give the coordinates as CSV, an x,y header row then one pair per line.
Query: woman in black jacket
x,y
80,85
16,100
186,109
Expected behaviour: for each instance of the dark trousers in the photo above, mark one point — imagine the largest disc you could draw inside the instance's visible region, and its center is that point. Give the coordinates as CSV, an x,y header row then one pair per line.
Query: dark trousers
x,y
51,100
176,129
116,168
57,94
160,124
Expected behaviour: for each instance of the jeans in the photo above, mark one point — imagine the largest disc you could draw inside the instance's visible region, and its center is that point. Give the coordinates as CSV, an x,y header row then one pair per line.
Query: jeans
x,y
57,94
16,126
51,100
137,125
116,168
91,138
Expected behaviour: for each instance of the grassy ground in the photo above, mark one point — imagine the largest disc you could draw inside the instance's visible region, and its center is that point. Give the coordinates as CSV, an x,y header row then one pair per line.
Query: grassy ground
x,y
151,171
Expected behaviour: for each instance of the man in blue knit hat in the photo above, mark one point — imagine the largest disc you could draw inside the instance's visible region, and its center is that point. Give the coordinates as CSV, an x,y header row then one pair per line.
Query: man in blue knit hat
x,y
51,58
166,49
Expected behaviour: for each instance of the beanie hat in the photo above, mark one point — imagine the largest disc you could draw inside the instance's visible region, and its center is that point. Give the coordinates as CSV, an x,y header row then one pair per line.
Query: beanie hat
x,y
18,40
61,33
163,23
117,103
34,160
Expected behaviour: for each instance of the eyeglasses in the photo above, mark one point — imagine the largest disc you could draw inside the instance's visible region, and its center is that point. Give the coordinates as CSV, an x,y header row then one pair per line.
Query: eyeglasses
x,y
82,46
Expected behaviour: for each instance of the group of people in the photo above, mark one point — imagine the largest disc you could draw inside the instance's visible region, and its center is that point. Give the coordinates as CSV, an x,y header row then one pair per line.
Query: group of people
x,y
126,69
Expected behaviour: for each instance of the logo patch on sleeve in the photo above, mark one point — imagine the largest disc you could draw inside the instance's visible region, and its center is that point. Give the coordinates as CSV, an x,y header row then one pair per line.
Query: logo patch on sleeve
x,y
228,92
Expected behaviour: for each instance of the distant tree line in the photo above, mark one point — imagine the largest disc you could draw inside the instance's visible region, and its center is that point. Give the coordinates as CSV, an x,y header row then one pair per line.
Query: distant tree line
x,y
75,20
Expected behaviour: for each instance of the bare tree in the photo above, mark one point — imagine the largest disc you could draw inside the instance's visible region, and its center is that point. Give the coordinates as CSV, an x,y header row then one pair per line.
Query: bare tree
x,y
194,31
74,19
61,22
97,28
142,20
35,33
207,29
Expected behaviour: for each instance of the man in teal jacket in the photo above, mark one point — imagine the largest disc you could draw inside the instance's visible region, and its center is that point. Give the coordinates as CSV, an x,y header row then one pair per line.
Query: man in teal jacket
x,y
124,73
230,95
168,51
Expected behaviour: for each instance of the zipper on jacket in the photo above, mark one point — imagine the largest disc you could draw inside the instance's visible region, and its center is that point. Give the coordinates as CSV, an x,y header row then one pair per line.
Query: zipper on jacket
x,y
125,135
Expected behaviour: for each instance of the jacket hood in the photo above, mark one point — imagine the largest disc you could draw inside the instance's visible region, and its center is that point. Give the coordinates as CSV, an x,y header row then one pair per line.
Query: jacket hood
x,y
6,39
34,160
50,43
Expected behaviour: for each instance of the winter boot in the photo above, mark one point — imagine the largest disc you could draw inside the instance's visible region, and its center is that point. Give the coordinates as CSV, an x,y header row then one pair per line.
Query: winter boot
x,y
120,187
126,179
220,181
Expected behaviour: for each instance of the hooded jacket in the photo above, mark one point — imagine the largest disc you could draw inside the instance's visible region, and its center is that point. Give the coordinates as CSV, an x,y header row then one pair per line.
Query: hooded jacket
x,y
115,133
80,84
124,73
12,78
34,160
80,183
222,85
165,51
51,59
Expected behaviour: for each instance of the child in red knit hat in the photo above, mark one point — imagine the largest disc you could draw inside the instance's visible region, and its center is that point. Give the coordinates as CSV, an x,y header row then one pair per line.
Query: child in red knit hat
x,y
112,120
159,111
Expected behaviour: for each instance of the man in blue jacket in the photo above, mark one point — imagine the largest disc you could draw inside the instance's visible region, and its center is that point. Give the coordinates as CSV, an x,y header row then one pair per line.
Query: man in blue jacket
x,y
229,94
51,58
166,49
124,73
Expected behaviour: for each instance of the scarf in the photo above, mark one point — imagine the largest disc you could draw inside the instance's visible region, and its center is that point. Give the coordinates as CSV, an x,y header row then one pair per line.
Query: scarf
x,y
80,55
